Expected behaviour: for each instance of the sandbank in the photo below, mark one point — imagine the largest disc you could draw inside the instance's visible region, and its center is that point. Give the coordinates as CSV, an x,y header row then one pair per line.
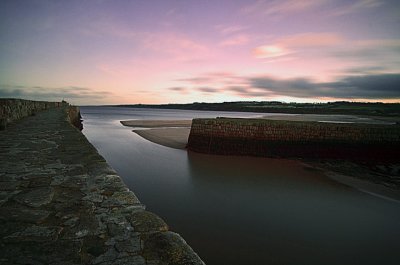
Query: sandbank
x,y
171,137
157,123
170,133
366,186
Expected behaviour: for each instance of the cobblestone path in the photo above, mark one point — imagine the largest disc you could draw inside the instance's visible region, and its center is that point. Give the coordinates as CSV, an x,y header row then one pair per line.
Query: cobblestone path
x,y
60,203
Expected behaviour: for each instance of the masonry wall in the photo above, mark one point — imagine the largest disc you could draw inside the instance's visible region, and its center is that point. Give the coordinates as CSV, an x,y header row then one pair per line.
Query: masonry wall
x,y
260,137
61,203
12,110
74,117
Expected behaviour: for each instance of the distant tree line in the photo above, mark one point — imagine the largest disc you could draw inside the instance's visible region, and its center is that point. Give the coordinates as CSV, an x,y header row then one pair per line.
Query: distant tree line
x,y
338,107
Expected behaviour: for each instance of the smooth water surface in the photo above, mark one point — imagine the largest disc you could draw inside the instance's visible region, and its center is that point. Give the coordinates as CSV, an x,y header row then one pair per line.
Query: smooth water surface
x,y
243,210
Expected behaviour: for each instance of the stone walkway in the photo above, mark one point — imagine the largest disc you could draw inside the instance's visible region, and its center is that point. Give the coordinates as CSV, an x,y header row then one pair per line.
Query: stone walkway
x,y
60,203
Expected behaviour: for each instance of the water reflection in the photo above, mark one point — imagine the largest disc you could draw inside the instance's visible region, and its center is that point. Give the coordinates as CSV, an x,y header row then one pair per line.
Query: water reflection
x,y
266,209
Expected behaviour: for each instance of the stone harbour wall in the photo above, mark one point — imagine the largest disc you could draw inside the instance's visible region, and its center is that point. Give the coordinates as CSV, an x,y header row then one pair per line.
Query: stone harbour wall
x,y
61,203
74,117
271,138
12,110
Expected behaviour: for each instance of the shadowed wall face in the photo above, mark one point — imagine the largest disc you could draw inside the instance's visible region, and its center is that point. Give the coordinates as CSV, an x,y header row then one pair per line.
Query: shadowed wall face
x,y
294,139
74,116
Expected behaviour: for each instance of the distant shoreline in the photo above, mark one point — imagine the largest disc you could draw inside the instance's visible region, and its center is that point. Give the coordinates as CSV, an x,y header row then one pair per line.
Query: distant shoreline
x,y
339,107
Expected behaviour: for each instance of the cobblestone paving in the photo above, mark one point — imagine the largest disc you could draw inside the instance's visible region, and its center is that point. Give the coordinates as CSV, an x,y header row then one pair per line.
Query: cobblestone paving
x,y
60,203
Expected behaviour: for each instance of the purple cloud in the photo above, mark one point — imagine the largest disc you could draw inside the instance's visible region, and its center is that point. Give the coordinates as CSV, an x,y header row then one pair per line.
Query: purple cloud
x,y
366,86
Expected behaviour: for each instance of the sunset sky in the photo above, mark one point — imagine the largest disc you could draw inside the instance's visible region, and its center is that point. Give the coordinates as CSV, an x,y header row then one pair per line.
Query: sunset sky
x,y
144,51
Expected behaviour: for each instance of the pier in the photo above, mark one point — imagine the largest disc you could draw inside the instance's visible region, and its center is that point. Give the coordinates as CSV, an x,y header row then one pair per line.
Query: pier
x,y
61,203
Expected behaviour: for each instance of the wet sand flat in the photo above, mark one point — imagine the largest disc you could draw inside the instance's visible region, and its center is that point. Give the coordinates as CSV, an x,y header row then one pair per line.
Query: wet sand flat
x,y
170,133
157,123
171,137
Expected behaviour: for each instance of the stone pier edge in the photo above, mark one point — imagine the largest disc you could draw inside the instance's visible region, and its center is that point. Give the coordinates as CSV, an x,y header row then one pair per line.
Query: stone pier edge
x,y
157,245
295,139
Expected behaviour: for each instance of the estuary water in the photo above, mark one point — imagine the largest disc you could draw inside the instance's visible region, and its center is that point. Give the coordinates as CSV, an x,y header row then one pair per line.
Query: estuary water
x,y
245,210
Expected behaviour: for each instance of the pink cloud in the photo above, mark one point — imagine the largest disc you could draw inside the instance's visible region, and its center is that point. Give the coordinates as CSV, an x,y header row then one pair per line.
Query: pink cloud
x,y
270,51
311,39
107,27
388,43
226,30
196,80
113,71
235,41
181,47
356,6
283,7
181,90
213,78
290,44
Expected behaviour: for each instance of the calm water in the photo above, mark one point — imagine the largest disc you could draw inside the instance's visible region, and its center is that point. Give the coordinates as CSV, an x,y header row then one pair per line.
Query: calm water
x,y
242,210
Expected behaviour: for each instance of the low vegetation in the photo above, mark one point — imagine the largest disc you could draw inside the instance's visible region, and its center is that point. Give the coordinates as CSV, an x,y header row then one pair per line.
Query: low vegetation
x,y
339,107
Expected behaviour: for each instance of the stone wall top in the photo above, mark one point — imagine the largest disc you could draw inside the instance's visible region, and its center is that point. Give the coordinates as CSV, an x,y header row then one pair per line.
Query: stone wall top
x,y
61,203
12,109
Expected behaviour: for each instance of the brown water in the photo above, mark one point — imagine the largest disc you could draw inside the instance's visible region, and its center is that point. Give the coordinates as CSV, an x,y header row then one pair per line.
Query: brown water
x,y
242,210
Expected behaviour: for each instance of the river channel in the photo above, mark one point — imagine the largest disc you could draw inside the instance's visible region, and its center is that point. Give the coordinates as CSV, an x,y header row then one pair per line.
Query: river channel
x,y
244,210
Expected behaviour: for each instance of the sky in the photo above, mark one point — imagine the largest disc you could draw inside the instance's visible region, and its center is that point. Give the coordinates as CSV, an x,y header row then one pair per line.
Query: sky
x,y
181,51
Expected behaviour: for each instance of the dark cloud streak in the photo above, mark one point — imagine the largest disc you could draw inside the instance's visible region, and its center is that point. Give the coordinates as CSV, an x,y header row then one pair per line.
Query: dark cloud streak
x,y
178,89
248,92
208,90
383,86
74,94
361,86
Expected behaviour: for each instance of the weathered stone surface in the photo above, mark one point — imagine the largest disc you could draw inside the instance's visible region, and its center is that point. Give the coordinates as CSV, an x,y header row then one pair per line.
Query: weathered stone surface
x,y
12,110
6,195
72,221
39,183
145,221
109,256
130,245
126,197
137,260
23,214
53,252
35,197
77,181
93,197
298,139
8,185
169,248
60,203
34,233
